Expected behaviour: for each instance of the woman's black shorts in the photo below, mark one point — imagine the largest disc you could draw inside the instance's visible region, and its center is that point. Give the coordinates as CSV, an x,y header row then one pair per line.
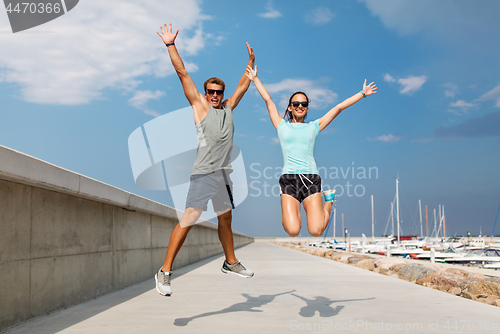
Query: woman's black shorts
x,y
300,186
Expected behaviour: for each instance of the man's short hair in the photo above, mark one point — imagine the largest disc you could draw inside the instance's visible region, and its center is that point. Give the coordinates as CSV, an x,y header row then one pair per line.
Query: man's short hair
x,y
216,81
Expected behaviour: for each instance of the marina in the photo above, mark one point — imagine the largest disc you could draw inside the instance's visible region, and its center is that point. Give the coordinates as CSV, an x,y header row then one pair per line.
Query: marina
x,y
440,251
438,247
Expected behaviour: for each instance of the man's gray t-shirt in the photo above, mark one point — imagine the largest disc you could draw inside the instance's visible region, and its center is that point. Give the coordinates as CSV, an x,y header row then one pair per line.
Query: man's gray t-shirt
x,y
215,141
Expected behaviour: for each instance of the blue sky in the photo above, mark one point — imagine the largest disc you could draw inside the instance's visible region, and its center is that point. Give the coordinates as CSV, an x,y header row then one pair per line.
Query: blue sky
x,y
74,89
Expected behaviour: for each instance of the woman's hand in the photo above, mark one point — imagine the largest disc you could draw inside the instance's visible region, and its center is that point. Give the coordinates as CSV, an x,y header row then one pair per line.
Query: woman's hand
x,y
370,89
166,34
251,73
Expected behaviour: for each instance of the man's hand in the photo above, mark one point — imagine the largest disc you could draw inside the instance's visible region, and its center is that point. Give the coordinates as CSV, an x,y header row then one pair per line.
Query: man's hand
x,y
196,100
251,56
251,73
167,36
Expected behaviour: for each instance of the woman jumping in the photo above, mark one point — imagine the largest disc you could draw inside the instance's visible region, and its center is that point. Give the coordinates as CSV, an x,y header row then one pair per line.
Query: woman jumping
x,y
300,182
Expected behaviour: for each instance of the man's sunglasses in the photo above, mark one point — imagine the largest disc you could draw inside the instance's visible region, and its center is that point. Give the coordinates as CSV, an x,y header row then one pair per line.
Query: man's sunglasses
x,y
212,91
296,104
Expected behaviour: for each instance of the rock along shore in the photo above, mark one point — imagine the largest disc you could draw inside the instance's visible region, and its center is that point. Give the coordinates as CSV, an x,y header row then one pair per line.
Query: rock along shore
x,y
455,281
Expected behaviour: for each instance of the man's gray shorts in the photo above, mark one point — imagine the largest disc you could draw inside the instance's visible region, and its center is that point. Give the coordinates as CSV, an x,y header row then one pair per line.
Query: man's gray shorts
x,y
216,186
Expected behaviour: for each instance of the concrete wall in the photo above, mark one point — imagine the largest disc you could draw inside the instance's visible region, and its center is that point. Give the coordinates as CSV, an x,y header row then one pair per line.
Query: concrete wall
x,y
66,238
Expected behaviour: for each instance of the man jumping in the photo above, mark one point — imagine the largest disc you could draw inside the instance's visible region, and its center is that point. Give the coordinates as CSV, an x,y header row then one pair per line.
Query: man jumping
x,y
210,176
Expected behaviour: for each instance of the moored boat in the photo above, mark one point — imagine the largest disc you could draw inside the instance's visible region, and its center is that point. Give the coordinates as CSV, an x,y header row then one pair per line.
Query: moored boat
x,y
477,257
451,252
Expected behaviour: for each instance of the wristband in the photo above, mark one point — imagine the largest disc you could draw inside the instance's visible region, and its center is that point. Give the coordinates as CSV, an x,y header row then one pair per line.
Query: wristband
x,y
364,95
167,45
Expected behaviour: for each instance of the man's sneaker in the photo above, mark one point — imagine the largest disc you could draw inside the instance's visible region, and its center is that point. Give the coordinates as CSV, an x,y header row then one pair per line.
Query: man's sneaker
x,y
236,268
329,195
162,279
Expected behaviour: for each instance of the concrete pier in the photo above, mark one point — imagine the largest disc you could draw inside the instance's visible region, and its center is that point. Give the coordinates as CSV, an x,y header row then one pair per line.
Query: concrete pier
x,y
291,292
66,238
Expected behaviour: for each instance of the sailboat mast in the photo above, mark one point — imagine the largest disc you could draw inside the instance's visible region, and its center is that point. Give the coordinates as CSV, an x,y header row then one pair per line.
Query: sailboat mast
x,y
435,223
440,219
392,217
373,222
426,222
397,207
343,230
444,224
420,210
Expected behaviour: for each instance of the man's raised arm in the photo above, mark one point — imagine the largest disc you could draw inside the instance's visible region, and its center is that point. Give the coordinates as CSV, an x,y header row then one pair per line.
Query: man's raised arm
x,y
244,83
188,85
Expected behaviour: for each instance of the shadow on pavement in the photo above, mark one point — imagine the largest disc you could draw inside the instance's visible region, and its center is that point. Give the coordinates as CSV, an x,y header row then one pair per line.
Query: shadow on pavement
x,y
247,306
322,305
319,304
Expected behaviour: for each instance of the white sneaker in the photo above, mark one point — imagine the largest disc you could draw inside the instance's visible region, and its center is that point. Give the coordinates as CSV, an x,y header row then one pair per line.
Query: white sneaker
x,y
236,268
162,279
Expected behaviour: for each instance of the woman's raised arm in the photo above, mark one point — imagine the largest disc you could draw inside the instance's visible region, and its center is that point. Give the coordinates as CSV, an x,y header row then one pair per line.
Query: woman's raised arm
x,y
271,107
330,115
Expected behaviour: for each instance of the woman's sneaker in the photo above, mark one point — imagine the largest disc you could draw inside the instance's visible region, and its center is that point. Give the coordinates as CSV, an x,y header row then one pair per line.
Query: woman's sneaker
x,y
236,268
162,279
329,195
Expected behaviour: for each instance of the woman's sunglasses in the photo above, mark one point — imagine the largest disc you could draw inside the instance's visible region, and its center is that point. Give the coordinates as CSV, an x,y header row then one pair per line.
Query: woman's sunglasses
x,y
212,91
296,104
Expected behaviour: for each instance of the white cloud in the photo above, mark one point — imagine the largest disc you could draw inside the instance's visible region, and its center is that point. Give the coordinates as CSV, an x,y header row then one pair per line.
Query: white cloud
x,y
390,138
141,98
493,94
318,16
98,45
411,84
320,96
217,40
458,108
461,104
275,140
271,13
457,112
389,78
152,113
192,45
450,89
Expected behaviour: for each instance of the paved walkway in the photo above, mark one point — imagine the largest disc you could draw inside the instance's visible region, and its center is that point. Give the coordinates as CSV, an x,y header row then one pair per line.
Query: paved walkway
x,y
291,292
